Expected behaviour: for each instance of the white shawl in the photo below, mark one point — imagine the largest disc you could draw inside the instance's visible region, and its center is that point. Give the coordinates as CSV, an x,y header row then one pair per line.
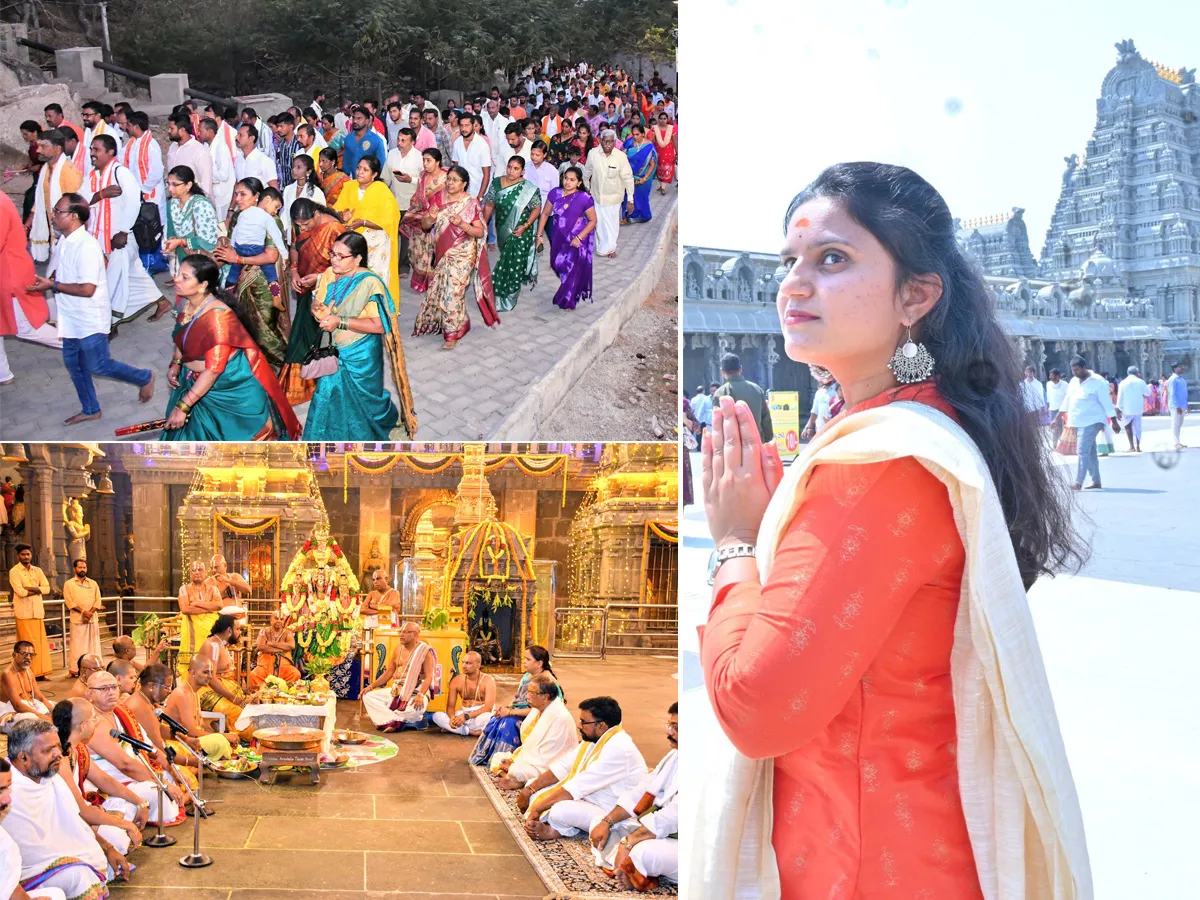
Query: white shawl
x,y
10,864
44,822
42,236
1018,796
553,734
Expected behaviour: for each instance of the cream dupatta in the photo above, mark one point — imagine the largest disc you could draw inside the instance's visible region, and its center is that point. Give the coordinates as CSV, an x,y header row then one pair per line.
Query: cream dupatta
x,y
1018,795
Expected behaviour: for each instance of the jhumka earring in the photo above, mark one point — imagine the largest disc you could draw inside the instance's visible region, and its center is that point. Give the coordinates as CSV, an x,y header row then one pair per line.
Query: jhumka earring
x,y
911,362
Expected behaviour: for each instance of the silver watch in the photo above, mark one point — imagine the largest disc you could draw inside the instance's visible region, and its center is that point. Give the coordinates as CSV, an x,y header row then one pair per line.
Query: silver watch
x,y
723,554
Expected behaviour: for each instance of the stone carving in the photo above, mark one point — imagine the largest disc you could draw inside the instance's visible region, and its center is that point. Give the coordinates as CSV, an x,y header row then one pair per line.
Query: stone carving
x,y
691,285
78,532
1126,51
1072,162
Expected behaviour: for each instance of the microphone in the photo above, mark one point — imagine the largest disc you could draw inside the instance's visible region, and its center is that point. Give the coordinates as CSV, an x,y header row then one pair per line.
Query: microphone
x,y
132,741
162,716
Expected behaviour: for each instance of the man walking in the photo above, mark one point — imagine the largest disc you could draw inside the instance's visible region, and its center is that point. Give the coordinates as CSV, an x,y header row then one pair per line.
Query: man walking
x,y
222,166
471,152
401,172
1177,401
80,285
738,388
702,407
1056,396
1131,404
190,152
609,180
58,176
1034,394
1087,407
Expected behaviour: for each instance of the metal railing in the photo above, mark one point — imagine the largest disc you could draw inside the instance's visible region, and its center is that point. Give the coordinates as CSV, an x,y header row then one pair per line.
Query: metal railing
x,y
642,627
580,632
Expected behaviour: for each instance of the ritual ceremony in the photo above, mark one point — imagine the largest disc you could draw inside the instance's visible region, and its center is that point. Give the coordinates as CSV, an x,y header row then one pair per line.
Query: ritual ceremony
x,y
338,670
941,372
397,230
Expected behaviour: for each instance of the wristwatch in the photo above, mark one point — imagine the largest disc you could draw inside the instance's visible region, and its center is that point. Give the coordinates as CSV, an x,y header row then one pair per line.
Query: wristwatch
x,y
724,554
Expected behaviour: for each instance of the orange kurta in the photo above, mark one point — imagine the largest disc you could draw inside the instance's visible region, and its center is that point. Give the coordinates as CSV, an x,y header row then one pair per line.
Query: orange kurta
x,y
839,668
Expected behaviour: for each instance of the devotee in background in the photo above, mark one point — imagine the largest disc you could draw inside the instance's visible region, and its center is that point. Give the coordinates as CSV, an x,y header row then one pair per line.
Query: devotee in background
x,y
821,411
199,605
87,665
643,161
577,790
275,644
1056,396
1132,395
82,597
30,587
1088,407
382,596
476,692
609,179
545,734
401,172
223,693
1177,401
427,197
502,734
57,177
250,162
221,150
19,692
184,705
742,390
189,151
409,680
23,313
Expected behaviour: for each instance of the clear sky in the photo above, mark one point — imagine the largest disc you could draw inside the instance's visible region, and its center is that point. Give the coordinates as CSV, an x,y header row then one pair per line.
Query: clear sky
x,y
983,98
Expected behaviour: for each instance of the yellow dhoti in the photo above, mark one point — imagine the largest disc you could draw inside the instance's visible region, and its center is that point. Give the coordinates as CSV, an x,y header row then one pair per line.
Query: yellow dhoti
x,y
192,635
211,701
215,746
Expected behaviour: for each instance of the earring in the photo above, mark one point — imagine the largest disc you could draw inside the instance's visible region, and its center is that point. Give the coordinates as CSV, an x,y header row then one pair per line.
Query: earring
x,y
911,362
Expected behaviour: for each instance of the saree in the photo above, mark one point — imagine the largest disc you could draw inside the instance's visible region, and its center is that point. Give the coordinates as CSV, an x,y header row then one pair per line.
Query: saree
x,y
312,258
502,734
353,402
666,153
245,402
517,264
378,206
572,265
426,200
559,150
643,160
332,186
1018,796
459,261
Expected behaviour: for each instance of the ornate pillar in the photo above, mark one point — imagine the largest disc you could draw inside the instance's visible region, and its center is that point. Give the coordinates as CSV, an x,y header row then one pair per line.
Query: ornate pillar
x,y
102,550
38,476
374,524
772,359
152,530
1038,352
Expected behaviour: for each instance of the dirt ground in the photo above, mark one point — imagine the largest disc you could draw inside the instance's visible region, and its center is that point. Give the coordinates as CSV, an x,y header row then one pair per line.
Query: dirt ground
x,y
634,383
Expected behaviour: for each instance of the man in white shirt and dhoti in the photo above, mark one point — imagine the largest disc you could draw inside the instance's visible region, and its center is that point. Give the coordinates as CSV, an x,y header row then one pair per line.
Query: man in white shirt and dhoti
x,y
477,692
609,179
10,853
115,197
58,850
579,788
210,134
1131,406
636,842
94,125
57,177
547,733
404,702
82,597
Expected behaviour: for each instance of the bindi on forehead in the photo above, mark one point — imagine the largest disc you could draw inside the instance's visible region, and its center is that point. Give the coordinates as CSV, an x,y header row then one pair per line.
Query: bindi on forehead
x,y
801,223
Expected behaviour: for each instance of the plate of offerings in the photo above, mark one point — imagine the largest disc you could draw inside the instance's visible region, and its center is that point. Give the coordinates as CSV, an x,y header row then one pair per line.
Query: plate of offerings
x,y
234,768
289,737
350,737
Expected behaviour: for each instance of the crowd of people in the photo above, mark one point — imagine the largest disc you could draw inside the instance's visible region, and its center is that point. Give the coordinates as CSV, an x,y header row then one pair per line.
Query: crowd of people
x,y
286,239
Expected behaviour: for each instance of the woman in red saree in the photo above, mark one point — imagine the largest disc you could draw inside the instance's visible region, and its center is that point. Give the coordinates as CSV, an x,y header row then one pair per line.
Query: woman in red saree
x,y
460,259
425,202
666,142
223,386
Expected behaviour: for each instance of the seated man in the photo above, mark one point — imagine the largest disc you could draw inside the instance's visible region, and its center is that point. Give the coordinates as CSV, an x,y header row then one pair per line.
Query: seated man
x,y
19,692
57,848
478,694
579,788
127,678
154,684
275,645
123,762
88,665
405,701
382,597
223,693
10,853
124,648
637,842
183,705
546,733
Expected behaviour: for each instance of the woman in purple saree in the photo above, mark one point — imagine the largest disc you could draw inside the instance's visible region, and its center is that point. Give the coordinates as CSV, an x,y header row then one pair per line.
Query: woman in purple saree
x,y
571,238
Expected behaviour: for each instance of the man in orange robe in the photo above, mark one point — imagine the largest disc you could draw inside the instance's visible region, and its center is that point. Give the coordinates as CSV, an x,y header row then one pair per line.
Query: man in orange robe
x,y
23,313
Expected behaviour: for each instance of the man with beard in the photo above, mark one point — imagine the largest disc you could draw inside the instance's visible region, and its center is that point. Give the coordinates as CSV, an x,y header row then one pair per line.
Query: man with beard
x,y
82,597
579,788
57,177
116,199
223,692
636,840
57,848
29,589
94,125
19,692
188,151
10,853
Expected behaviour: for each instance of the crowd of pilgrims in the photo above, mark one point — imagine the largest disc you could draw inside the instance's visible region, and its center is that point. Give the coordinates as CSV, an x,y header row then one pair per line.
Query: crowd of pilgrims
x,y
286,238
74,800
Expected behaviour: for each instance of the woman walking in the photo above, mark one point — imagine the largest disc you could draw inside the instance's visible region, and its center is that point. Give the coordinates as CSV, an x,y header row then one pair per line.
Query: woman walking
x,y
305,186
644,162
515,203
191,225
666,143
460,259
369,207
880,714
425,202
572,238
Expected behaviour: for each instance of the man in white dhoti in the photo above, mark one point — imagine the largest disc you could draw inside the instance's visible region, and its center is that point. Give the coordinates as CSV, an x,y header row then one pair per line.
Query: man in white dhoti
x,y
57,848
407,698
210,134
115,196
609,179
635,842
579,788
143,156
477,692
57,177
10,853
19,692
82,597
94,125
121,761
547,733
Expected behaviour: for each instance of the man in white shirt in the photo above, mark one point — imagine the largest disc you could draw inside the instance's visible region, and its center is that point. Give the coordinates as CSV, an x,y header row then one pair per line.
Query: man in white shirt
x,y
77,277
1056,396
222,165
609,179
318,99
262,131
471,152
702,407
400,173
341,118
190,152
1033,394
250,162
493,127
94,124
1131,405
116,199
1087,407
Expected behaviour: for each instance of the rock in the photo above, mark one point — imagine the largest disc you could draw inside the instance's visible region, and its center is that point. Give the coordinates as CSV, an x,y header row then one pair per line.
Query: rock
x,y
8,80
29,103
656,427
644,390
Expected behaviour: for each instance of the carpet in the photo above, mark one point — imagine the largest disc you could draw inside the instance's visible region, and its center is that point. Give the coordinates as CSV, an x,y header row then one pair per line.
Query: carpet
x,y
566,866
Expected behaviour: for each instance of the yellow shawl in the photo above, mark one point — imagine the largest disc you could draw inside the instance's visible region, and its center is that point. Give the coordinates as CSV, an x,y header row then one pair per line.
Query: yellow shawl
x,y
1018,796
378,206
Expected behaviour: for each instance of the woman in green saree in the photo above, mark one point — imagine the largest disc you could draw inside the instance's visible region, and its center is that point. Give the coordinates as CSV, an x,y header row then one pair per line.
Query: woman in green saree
x,y
191,225
516,204
354,306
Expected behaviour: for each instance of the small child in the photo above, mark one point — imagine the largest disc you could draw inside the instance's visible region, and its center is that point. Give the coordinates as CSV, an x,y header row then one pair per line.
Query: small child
x,y
573,155
250,231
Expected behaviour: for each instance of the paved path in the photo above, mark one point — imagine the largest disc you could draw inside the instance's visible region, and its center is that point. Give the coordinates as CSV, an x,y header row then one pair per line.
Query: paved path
x,y
460,395
1118,642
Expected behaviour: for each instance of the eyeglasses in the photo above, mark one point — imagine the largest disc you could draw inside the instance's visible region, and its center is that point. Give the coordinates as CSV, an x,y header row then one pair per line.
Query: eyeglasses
x,y
107,687
29,653
583,724
341,256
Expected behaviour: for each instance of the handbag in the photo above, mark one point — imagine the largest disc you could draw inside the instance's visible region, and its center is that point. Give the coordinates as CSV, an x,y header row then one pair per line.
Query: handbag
x,y
1068,444
320,360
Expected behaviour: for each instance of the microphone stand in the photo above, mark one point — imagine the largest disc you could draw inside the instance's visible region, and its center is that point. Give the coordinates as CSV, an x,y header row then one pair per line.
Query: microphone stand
x,y
160,838
195,859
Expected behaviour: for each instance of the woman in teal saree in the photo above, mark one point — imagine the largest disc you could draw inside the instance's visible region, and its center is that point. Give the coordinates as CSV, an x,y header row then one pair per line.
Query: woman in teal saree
x,y
353,305
516,204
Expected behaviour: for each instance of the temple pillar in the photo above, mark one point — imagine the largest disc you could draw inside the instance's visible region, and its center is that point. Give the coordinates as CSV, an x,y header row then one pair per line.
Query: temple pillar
x,y
38,476
520,511
152,527
375,526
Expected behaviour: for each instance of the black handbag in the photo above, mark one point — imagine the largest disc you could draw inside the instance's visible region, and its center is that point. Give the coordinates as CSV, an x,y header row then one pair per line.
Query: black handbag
x,y
148,229
320,360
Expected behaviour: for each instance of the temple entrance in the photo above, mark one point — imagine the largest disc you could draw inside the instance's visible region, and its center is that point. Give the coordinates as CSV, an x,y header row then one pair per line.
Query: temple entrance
x,y
253,557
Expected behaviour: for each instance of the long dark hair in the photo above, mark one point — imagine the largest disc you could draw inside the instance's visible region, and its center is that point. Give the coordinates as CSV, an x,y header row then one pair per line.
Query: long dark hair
x,y
980,373
542,655
62,716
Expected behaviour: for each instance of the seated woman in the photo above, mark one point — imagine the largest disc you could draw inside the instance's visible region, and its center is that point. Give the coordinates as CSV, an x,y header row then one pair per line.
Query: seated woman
x,y
223,389
502,734
354,307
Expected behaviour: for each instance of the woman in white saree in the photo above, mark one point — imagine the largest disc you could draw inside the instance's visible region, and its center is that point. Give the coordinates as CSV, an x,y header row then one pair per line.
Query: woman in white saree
x,y
879,723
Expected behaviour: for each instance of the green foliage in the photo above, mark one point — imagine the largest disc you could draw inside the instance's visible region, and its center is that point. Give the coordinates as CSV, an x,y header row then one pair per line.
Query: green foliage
x,y
148,630
436,619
